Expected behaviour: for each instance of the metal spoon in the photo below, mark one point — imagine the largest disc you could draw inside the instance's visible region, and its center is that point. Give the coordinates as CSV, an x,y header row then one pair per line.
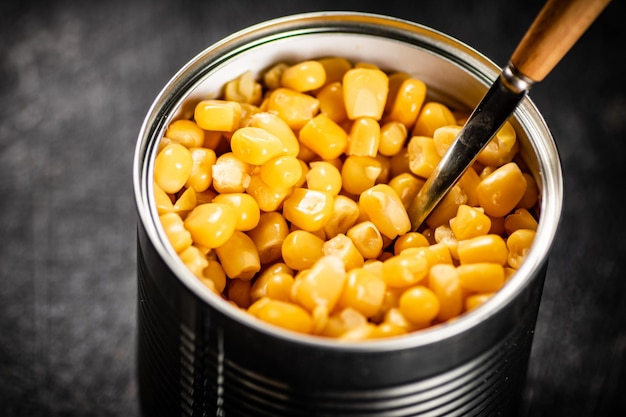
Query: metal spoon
x,y
559,24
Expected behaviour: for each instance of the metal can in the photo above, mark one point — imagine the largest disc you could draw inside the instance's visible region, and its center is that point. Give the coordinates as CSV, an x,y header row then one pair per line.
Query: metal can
x,y
196,355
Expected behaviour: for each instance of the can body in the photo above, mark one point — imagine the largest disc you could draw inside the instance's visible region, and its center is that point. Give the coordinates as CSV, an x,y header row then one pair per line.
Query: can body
x,y
196,356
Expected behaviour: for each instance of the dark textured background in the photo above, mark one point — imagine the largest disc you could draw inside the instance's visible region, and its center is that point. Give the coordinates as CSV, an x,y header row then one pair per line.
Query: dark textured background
x,y
77,78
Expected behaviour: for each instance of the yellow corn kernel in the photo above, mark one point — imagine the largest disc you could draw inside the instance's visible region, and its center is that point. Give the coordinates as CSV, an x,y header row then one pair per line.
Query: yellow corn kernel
x,y
343,321
497,225
432,116
230,174
365,92
406,185
476,300
267,197
359,173
281,172
331,102
344,216
204,197
343,248
293,107
218,115
210,225
405,270
395,81
335,68
419,305
385,330
485,248
185,202
367,238
201,174
304,76
365,64
385,169
397,319
301,249
519,244
185,132
444,281
363,291
244,89
409,240
214,273
499,192
408,101
162,200
276,286
255,145
364,137
468,183
324,176
445,236
447,207
501,149
307,209
531,195
244,207
178,236
273,124
194,260
324,137
481,277
392,138
385,209
443,137
172,167
321,285
238,293
268,236
272,77
519,219
239,257
423,157
282,314
469,222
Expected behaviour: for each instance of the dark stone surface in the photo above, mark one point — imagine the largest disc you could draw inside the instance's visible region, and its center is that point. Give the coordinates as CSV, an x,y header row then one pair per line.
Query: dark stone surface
x,y
77,78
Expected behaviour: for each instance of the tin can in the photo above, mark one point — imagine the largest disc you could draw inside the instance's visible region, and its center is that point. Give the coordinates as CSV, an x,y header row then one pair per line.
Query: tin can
x,y
196,355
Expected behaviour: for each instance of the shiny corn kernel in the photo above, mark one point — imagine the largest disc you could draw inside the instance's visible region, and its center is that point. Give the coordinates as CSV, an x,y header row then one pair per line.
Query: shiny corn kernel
x,y
396,318
281,172
276,126
331,102
324,137
335,68
218,115
395,81
268,236
344,215
447,207
230,174
481,277
485,248
272,77
343,248
432,116
443,137
342,322
304,76
255,145
500,191
423,157
365,92
321,285
476,300
185,202
301,249
214,273
419,304
201,174
409,240
162,200
469,222
501,149
244,207
172,167
404,270
468,183
244,89
267,197
324,176
364,137
400,162
363,291
392,138
273,284
211,224
408,101
519,244
293,107
178,236
283,314
194,260
444,281
406,185
246,264
367,238
445,236
385,209
531,195
519,219
185,132
308,209
359,173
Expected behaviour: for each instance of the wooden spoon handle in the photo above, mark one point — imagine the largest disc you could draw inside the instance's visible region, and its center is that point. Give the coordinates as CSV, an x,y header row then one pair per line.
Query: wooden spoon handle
x,y
555,30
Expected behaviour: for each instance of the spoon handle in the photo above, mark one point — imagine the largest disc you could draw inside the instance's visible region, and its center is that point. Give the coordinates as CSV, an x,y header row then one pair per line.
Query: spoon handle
x,y
557,27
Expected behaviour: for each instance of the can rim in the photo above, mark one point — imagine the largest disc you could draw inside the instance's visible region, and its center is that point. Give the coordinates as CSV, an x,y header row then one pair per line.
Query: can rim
x,y
378,25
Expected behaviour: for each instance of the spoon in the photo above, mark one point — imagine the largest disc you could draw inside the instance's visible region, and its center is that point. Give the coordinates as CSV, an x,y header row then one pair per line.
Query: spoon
x,y
557,27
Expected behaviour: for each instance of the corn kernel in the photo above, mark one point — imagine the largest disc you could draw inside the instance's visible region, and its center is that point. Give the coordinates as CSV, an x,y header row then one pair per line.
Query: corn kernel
x,y
214,273
185,202
364,137
343,248
194,260
363,291
423,156
392,138
301,249
324,137
481,277
238,292
331,102
408,101
244,89
432,116
476,300
268,236
443,137
335,68
444,281
293,107
255,145
468,183
500,191
404,270
367,238
307,209
276,286
406,185
395,81
359,173
419,304
304,76
519,244
246,264
519,219
185,132
267,197
283,314
344,216
501,149
321,285
178,236
343,321
272,77
409,240
201,174
281,172
469,222
531,195
218,115
365,92
445,236
324,176
447,207
385,209
230,174
162,200
273,124
172,167
486,248
211,224
244,207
